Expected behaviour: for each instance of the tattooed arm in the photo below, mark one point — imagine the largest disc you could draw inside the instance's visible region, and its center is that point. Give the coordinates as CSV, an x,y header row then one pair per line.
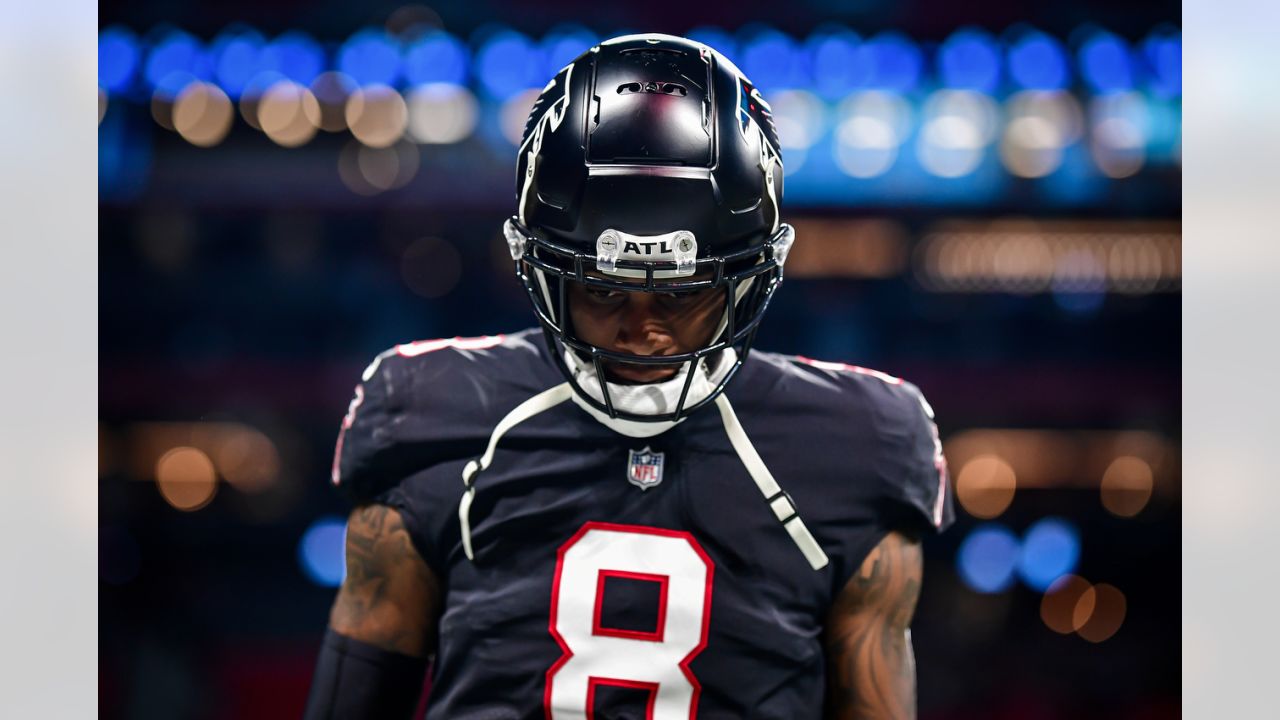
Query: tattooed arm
x,y
382,625
389,597
870,664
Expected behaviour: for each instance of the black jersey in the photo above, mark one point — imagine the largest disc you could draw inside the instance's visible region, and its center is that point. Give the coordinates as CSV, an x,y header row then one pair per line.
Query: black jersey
x,y
623,577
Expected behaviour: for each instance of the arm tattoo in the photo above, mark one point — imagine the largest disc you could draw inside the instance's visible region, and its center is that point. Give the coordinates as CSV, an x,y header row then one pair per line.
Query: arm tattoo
x,y
389,596
871,666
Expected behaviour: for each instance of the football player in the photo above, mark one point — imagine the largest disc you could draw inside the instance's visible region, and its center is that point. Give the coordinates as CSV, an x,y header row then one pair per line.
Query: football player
x,y
624,513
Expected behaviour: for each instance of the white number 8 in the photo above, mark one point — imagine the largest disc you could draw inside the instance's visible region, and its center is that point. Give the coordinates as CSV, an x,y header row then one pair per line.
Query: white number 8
x,y
657,661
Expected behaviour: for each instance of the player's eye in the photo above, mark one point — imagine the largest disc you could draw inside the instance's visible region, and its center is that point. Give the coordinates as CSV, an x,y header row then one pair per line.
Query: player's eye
x,y
681,297
603,294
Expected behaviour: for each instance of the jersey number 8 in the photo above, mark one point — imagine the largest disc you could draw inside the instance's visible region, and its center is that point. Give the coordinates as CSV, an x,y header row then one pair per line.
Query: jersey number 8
x,y
655,661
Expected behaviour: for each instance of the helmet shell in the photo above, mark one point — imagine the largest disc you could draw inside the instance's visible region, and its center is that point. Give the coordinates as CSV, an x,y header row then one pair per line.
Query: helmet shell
x,y
650,134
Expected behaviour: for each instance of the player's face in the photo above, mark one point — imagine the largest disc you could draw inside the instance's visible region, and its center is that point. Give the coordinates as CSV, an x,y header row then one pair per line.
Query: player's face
x,y
644,323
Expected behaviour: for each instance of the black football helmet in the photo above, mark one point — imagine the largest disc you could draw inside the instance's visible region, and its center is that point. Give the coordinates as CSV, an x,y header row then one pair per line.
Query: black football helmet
x,y
650,164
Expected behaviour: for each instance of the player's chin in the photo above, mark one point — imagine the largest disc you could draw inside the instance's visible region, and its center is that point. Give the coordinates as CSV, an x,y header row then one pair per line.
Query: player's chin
x,y
629,374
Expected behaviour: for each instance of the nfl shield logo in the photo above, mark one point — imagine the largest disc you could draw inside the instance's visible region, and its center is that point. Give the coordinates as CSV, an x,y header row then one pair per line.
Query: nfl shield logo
x,y
644,468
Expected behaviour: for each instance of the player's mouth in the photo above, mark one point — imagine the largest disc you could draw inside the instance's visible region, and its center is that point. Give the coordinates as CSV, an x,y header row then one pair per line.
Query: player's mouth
x,y
629,374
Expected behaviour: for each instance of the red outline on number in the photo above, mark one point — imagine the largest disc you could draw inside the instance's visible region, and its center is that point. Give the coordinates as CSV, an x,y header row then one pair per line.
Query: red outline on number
x,y
593,682
566,653
659,630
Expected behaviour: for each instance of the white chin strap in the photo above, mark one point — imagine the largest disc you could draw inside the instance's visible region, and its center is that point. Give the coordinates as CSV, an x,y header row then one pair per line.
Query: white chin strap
x,y
648,399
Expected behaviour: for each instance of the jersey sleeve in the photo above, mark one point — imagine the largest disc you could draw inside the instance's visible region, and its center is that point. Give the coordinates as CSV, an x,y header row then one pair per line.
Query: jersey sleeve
x,y
397,424
911,469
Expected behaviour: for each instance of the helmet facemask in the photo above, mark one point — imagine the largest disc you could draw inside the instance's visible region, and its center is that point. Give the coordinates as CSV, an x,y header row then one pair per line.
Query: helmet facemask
x,y
747,278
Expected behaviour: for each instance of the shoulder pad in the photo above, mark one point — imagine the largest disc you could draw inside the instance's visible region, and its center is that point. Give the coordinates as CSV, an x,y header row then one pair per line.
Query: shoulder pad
x,y
908,459
408,411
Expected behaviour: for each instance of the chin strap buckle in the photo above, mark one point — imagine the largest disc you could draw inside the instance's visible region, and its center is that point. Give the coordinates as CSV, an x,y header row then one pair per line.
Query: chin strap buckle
x,y
608,247
515,239
782,243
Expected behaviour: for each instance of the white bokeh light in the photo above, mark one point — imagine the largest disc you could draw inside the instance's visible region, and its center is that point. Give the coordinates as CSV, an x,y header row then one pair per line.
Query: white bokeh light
x,y
872,125
441,113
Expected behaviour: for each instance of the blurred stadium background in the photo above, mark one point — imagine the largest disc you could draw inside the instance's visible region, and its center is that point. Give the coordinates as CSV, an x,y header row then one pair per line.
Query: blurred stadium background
x,y
987,199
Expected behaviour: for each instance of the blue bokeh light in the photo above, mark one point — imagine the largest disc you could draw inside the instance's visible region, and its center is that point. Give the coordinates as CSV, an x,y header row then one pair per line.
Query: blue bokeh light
x,y
370,57
833,55
970,60
507,63
300,58
716,39
987,558
892,62
118,56
772,61
1050,549
1038,62
236,58
436,57
1105,63
172,85
562,45
321,551
1164,56
177,53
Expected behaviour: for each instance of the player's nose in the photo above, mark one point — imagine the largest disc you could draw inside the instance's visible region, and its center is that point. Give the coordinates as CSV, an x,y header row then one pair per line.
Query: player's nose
x,y
642,331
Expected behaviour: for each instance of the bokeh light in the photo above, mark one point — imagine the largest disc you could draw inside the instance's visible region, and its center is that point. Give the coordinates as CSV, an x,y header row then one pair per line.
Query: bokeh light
x,y
370,57
1163,53
322,551
891,62
176,54
801,120
103,103
186,478
1057,607
390,167
436,57
377,115
985,486
289,114
203,114
350,171
1105,62
246,458
332,90
872,124
295,55
958,127
431,267
1120,130
833,58
715,38
1038,62
118,56
772,60
1050,549
987,558
564,43
507,63
1126,486
515,113
970,60
251,95
237,58
1040,126
1099,612
441,113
